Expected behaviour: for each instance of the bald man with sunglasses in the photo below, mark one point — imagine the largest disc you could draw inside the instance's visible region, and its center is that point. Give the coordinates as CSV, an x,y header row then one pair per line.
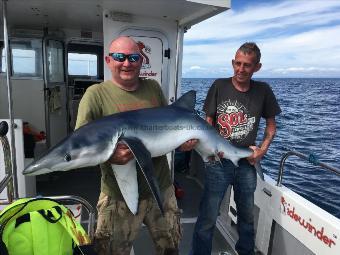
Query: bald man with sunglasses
x,y
117,227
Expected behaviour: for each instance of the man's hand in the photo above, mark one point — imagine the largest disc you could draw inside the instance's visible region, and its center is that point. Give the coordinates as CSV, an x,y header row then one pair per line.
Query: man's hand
x,y
188,145
220,154
121,155
257,155
269,134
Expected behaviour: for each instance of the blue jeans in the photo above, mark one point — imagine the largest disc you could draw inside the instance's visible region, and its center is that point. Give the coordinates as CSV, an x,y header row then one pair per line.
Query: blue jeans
x,y
217,179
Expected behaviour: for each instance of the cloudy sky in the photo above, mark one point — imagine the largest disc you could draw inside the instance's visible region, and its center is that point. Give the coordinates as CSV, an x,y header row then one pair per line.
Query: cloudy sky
x,y
297,38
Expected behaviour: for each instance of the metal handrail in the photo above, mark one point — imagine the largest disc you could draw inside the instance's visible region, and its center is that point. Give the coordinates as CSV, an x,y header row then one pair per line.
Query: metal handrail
x,y
7,181
89,208
310,158
10,101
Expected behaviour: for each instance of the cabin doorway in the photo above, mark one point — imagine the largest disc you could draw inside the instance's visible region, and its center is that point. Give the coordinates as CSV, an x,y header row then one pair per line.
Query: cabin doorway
x,y
55,91
38,86
85,67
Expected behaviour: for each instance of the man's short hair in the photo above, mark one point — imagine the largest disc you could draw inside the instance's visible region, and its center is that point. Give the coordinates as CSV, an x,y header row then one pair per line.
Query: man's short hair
x,y
251,47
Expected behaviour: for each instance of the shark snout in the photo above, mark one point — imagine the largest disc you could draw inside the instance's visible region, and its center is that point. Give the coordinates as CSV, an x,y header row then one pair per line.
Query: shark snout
x,y
36,168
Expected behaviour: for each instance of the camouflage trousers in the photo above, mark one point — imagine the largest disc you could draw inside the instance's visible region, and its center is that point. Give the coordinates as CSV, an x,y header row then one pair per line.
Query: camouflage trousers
x,y
117,227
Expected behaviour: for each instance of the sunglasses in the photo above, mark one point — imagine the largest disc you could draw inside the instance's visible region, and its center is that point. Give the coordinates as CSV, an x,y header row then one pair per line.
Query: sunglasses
x,y
120,57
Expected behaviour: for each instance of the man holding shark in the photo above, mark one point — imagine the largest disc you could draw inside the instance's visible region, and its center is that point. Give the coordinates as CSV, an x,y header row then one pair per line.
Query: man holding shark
x,y
117,226
235,106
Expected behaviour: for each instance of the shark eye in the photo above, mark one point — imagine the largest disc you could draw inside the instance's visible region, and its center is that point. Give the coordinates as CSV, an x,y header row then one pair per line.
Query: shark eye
x,y
67,157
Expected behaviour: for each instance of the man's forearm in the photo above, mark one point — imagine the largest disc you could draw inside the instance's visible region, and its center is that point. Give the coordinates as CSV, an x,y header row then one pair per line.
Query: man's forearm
x,y
269,134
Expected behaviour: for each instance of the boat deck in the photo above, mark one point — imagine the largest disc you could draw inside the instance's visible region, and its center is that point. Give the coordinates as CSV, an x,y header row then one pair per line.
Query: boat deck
x,y
86,184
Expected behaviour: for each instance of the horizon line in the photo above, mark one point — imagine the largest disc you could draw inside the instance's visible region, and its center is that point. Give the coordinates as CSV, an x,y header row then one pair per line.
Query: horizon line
x,y
265,77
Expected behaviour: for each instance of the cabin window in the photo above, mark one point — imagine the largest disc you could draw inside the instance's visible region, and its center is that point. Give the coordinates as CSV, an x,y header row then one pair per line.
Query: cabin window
x,y
26,58
82,64
55,61
3,60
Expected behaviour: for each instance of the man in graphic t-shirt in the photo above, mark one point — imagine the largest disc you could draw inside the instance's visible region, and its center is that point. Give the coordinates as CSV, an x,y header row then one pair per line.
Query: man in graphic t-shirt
x,y
235,106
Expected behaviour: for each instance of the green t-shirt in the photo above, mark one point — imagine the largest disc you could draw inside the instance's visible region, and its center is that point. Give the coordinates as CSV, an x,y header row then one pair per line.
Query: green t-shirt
x,y
105,99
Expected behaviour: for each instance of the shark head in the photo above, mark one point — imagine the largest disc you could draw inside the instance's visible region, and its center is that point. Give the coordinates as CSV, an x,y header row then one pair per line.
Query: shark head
x,y
76,151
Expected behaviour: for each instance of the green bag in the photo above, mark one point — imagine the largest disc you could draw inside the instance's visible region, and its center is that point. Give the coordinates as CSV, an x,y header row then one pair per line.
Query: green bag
x,y
39,226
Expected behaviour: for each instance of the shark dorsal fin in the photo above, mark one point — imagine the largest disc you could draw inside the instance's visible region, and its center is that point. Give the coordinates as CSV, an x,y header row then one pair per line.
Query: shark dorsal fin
x,y
187,101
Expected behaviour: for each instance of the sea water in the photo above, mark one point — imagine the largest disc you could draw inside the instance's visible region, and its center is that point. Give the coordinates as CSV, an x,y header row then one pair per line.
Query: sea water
x,y
309,123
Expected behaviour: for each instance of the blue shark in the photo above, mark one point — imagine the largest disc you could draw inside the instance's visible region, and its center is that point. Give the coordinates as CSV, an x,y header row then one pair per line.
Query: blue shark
x,y
148,133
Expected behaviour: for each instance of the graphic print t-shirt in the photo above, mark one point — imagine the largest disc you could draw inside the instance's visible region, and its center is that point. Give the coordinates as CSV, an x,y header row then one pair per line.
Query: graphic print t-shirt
x,y
237,114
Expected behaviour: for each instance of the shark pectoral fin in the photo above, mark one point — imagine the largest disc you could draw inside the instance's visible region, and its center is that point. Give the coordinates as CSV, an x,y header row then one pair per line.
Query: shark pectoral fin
x,y
259,171
144,161
126,176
